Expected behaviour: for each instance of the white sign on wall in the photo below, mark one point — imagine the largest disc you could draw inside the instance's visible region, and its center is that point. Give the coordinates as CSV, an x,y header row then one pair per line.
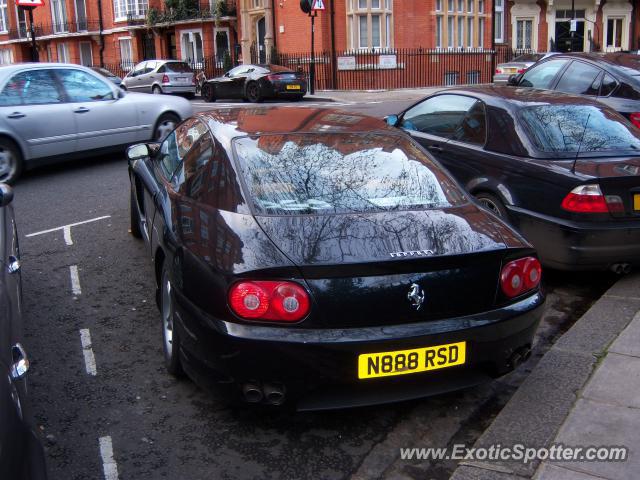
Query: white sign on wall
x,y
387,61
346,63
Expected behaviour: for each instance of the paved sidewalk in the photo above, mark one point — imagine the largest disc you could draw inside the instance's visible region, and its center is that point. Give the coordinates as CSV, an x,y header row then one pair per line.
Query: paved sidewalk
x,y
607,413
585,391
353,96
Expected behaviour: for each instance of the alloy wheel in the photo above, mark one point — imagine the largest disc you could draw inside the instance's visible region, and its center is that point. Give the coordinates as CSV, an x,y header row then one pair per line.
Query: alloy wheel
x,y
167,315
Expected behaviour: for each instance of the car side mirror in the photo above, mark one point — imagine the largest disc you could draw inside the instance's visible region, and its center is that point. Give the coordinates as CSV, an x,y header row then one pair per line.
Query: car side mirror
x,y
514,80
6,194
226,75
392,120
138,152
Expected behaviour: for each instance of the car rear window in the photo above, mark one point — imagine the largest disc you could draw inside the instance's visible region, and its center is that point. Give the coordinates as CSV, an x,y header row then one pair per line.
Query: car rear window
x,y
527,57
315,174
177,67
579,128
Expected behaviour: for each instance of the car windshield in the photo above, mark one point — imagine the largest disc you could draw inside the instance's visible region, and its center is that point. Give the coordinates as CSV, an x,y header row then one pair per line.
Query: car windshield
x,y
318,174
177,67
527,57
579,128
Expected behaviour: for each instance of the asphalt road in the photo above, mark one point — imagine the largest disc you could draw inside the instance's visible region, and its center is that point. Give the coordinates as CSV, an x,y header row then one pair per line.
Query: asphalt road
x,y
99,391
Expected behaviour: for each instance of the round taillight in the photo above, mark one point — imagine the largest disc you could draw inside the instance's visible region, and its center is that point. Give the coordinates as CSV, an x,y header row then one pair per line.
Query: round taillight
x,y
290,302
269,300
249,300
520,276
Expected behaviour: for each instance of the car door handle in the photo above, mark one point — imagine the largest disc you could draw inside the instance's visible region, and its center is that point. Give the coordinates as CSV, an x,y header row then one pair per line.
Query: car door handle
x,y
16,115
20,364
81,110
435,148
13,266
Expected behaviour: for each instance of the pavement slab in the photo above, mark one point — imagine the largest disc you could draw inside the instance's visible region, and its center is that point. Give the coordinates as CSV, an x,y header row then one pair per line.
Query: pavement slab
x,y
628,343
616,381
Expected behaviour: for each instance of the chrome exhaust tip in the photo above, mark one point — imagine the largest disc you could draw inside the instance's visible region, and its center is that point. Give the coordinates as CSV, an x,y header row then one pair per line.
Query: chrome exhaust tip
x,y
274,393
252,392
621,268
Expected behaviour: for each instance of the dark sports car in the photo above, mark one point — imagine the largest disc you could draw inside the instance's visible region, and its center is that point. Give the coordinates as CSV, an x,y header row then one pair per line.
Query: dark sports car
x,y
563,169
21,454
256,83
332,263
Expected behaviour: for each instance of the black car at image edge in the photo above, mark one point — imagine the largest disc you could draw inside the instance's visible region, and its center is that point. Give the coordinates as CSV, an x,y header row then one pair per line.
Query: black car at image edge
x,y
329,264
21,453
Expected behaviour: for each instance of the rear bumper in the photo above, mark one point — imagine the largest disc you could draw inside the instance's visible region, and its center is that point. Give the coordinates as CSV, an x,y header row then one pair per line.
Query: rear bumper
x,y
179,89
280,91
501,78
569,245
319,367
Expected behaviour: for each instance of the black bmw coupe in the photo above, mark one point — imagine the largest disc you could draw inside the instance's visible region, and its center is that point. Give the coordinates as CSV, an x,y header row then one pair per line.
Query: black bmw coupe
x,y
328,264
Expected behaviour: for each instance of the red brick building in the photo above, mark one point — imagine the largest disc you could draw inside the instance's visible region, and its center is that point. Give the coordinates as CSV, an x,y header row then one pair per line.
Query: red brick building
x,y
122,32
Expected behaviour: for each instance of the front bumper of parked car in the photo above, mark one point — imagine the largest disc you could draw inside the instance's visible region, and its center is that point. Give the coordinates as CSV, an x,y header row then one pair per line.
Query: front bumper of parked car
x,y
318,368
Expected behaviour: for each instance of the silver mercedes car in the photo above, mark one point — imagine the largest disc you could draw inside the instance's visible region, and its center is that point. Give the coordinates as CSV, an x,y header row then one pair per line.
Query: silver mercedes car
x,y
55,111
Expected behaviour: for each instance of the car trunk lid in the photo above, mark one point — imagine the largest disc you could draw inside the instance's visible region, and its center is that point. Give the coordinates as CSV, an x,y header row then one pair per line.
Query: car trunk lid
x,y
618,177
360,268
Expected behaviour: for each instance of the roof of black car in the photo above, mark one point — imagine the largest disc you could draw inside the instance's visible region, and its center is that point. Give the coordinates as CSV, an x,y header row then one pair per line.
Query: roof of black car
x,y
277,119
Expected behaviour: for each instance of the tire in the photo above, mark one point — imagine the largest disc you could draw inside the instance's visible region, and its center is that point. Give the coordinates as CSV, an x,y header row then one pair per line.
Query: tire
x,y
164,126
170,338
208,93
493,204
252,92
134,216
156,90
11,161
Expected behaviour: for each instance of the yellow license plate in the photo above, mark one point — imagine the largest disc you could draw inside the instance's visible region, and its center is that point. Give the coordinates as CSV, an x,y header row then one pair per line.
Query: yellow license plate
x,y
402,362
293,87
636,202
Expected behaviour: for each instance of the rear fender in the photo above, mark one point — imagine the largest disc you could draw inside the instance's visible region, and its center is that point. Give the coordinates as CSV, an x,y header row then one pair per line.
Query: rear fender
x,y
492,186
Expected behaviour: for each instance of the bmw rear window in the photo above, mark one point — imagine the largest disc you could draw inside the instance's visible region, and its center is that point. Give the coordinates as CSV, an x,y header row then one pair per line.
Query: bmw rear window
x,y
579,128
315,174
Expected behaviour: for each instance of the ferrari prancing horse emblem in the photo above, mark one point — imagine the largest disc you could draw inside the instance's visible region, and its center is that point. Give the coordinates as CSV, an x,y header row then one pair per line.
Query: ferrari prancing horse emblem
x,y
415,296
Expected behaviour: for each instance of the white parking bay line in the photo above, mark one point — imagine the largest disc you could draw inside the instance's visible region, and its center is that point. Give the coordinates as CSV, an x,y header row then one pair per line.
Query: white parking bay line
x,y
66,228
75,280
109,465
89,357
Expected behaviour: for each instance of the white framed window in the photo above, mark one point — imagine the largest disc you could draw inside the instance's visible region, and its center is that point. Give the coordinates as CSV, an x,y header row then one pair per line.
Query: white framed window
x,y
614,32
524,33
371,23
123,9
451,6
460,6
63,52
191,45
221,42
469,6
499,21
438,5
481,6
460,32
59,16
480,32
439,31
450,34
6,56
86,55
469,32
4,20
126,56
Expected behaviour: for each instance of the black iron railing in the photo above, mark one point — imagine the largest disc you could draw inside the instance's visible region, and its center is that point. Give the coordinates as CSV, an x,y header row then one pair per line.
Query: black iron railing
x,y
40,30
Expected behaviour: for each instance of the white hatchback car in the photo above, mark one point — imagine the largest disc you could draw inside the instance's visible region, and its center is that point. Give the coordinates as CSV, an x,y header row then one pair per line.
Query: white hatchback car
x,y
55,111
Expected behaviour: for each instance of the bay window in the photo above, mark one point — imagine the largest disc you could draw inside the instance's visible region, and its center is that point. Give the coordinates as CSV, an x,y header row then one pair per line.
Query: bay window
x,y
122,9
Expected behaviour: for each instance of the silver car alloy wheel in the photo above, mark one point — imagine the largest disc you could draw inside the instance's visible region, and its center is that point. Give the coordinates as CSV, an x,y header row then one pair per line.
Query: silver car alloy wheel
x,y
167,315
164,128
8,164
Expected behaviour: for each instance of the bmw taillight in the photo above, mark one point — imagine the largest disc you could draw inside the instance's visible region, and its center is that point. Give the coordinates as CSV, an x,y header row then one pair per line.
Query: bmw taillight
x,y
635,119
278,301
589,199
165,78
521,70
520,276
498,70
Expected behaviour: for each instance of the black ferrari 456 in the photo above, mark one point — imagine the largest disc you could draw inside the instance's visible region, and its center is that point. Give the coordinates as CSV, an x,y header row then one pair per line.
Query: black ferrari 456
x,y
256,83
327,264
